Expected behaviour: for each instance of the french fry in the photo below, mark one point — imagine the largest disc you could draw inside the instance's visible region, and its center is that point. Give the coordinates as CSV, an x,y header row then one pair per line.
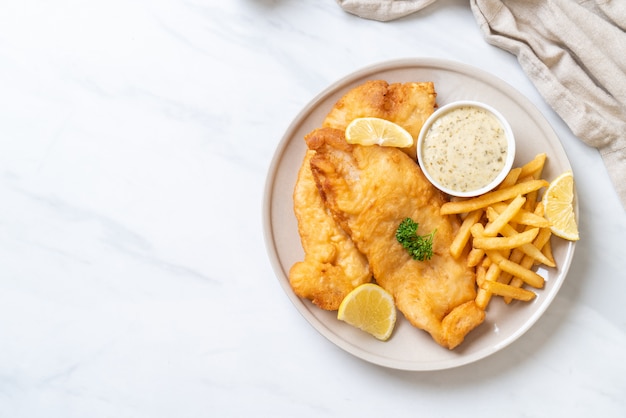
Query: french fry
x,y
504,217
527,261
523,217
475,256
516,257
531,201
482,201
510,178
528,276
477,230
494,270
547,252
484,296
534,167
543,239
531,251
528,249
505,243
505,277
463,235
481,272
502,289
511,239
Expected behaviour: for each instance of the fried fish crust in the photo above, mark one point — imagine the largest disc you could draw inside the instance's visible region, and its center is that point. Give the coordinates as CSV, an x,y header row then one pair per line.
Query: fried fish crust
x,y
370,190
406,104
332,265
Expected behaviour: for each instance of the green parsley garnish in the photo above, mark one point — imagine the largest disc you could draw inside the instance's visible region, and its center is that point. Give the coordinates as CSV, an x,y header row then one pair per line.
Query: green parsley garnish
x,y
419,246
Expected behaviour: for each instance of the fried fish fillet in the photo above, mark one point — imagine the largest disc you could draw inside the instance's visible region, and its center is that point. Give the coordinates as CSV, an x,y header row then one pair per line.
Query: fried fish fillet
x,y
332,265
407,104
370,190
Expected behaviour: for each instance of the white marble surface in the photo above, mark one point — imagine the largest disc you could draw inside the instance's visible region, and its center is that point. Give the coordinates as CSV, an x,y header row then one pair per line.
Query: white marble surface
x,y
135,137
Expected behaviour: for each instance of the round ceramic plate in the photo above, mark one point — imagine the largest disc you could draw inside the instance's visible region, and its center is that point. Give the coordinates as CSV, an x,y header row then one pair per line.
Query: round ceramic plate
x,y
410,348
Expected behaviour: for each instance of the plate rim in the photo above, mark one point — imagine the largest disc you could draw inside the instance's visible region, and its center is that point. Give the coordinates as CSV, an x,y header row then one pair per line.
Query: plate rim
x,y
270,243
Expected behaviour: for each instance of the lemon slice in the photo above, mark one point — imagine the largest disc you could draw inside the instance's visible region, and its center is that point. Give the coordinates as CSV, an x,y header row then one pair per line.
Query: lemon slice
x,y
558,207
377,131
370,308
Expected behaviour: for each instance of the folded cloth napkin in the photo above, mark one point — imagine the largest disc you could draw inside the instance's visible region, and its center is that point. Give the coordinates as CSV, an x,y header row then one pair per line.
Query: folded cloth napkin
x,y
574,51
383,10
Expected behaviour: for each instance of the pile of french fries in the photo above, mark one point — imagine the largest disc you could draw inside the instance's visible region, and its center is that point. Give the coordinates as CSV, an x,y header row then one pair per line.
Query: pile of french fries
x,y
507,235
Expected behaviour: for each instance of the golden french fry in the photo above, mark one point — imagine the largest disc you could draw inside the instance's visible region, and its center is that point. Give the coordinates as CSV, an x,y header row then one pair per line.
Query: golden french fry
x,y
535,253
543,238
484,296
486,262
527,262
487,199
528,249
510,178
502,289
514,237
480,274
539,209
493,272
477,230
547,252
494,227
531,201
475,256
528,276
463,234
505,243
505,277
523,217
516,257
534,167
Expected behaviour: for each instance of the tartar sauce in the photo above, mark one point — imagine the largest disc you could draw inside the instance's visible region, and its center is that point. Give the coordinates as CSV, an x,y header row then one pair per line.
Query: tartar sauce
x,y
465,149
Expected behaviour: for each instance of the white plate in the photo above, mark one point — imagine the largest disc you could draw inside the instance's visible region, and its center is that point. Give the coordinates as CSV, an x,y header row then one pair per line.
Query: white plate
x,y
410,348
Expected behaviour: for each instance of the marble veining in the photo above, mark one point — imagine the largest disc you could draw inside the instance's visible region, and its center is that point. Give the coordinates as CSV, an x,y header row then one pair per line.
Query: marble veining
x,y
135,139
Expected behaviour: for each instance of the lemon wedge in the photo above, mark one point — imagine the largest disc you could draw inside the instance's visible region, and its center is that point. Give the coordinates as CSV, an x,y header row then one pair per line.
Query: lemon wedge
x,y
558,207
377,131
370,308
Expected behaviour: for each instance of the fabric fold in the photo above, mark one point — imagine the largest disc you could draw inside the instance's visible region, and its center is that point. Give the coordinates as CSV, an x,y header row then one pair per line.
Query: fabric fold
x,y
576,58
573,51
383,10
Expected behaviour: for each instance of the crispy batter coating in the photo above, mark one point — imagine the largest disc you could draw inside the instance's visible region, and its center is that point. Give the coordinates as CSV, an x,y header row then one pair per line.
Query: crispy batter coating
x,y
370,190
349,200
407,104
332,266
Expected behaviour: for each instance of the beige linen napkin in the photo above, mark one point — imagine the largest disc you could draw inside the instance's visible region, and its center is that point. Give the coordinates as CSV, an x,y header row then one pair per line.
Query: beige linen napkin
x,y
383,10
574,51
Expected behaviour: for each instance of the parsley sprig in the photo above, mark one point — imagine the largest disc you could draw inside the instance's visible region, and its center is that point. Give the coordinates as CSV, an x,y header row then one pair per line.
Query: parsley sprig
x,y
419,246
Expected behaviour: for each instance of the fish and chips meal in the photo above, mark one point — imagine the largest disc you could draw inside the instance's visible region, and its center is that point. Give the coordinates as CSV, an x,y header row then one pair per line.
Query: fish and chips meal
x,y
378,236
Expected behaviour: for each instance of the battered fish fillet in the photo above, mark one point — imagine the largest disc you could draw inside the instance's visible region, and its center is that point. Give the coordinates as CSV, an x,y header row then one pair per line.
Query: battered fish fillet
x,y
370,190
332,265
407,104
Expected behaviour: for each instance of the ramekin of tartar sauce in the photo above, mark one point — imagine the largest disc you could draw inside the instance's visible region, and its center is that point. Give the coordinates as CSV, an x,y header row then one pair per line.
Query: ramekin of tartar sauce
x,y
466,148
